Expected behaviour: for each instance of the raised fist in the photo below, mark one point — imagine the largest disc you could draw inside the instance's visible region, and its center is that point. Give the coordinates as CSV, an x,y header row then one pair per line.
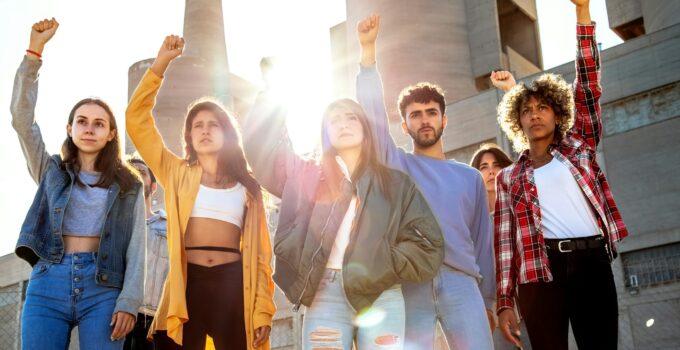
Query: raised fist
x,y
367,30
172,47
503,80
41,33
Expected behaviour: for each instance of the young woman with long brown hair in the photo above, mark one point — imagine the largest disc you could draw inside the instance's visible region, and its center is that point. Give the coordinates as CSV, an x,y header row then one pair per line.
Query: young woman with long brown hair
x,y
219,283
350,230
84,232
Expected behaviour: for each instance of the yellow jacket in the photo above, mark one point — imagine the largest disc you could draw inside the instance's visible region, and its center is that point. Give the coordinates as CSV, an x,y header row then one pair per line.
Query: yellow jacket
x,y
180,181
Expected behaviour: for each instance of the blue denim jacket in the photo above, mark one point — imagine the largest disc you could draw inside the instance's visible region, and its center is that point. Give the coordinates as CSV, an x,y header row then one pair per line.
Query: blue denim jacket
x,y
156,261
120,258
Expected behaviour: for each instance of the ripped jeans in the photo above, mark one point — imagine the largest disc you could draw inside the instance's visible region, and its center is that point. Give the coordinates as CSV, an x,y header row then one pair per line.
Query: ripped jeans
x,y
331,323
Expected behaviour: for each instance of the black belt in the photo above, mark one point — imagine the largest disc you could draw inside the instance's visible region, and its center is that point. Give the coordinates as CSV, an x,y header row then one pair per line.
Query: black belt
x,y
215,249
568,245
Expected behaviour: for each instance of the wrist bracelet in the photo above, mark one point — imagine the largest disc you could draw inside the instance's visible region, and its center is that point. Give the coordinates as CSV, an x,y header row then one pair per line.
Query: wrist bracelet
x,y
34,53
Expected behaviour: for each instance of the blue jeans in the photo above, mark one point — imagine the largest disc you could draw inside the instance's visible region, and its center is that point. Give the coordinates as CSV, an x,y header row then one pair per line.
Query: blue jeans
x,y
330,322
453,298
63,295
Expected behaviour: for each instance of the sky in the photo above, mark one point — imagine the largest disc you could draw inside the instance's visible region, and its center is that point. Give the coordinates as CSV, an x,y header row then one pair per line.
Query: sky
x,y
98,40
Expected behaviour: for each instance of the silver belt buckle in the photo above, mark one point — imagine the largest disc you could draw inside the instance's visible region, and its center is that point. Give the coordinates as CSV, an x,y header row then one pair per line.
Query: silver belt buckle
x,y
559,246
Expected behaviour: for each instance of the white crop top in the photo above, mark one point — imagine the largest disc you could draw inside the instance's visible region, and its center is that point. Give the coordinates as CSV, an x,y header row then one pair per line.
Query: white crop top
x,y
221,204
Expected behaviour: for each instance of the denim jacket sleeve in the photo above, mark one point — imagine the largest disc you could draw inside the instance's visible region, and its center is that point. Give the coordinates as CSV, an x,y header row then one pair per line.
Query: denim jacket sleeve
x,y
22,107
131,296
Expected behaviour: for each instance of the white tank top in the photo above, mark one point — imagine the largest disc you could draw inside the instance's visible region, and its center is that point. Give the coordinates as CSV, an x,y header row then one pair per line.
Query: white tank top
x,y
342,238
565,211
337,255
221,204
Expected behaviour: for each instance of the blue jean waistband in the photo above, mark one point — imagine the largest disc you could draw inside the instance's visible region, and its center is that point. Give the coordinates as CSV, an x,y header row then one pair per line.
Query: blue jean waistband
x,y
82,257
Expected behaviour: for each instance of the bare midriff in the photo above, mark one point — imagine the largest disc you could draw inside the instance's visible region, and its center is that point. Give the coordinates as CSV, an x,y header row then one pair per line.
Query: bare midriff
x,y
202,232
80,244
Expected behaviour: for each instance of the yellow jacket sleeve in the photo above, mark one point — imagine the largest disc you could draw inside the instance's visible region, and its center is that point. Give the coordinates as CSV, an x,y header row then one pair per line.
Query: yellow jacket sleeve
x,y
141,128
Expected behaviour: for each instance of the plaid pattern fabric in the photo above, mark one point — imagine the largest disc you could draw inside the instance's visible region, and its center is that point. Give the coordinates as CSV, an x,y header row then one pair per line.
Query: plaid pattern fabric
x,y
521,255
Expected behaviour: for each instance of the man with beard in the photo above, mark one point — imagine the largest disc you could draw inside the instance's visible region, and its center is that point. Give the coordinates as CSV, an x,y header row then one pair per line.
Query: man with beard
x,y
464,288
156,245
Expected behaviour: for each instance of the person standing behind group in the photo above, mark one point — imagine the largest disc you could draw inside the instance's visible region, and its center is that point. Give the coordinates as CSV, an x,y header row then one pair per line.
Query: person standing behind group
x,y
219,282
462,295
156,267
84,232
490,159
556,222
350,230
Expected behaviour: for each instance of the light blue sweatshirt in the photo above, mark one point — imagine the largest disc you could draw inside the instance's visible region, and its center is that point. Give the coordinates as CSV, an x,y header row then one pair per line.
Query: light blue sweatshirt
x,y
454,191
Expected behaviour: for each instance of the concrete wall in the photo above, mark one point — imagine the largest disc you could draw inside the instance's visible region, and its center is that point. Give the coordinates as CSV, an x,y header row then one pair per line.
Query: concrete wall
x,y
657,15
341,61
519,30
643,166
622,11
660,14
484,36
13,270
519,65
419,41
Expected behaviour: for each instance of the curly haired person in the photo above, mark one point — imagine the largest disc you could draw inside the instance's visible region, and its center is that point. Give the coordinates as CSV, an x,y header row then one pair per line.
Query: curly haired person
x,y
555,219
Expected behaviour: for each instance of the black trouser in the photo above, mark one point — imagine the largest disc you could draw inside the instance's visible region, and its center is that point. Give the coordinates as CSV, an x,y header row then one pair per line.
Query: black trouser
x,y
215,306
582,292
136,339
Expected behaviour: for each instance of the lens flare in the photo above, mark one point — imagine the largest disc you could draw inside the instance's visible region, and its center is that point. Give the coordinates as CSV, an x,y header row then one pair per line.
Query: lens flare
x,y
370,317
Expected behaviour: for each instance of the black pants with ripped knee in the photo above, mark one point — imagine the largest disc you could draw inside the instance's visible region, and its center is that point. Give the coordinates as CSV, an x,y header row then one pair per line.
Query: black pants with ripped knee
x,y
215,305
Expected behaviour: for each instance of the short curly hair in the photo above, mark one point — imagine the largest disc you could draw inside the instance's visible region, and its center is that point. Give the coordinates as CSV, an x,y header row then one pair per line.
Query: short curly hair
x,y
548,88
423,92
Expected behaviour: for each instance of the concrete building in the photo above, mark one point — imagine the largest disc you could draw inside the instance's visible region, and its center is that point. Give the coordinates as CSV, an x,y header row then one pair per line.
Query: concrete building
x,y
456,44
202,70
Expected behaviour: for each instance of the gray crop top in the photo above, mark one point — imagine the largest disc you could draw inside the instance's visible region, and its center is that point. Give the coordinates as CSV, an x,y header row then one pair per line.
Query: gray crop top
x,y
86,209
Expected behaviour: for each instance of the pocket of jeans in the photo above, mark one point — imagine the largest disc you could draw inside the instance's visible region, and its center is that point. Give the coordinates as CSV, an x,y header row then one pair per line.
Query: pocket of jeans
x,y
40,269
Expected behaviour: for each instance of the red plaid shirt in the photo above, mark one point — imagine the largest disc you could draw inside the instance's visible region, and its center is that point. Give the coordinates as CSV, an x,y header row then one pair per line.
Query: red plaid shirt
x,y
521,255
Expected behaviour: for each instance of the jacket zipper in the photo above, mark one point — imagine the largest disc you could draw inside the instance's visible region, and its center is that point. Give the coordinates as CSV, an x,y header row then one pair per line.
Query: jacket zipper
x,y
296,306
351,234
423,237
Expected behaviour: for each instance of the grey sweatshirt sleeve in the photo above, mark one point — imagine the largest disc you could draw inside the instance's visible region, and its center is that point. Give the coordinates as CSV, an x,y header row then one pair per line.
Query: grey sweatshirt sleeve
x,y
22,108
481,232
370,97
132,294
